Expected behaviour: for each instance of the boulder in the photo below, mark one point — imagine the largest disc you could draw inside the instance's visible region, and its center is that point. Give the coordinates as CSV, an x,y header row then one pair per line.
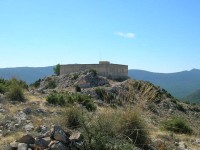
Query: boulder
x,y
27,110
14,145
28,139
57,145
182,146
58,134
42,143
29,127
22,146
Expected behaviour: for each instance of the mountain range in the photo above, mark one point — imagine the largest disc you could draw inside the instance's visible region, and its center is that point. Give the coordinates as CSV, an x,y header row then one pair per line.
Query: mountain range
x,y
28,74
179,84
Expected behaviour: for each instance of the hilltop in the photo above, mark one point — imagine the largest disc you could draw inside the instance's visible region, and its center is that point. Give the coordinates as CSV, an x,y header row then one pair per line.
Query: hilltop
x,y
179,84
131,114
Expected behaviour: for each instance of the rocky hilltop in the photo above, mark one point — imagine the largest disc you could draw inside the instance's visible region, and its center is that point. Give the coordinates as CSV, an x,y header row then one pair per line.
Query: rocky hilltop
x,y
86,111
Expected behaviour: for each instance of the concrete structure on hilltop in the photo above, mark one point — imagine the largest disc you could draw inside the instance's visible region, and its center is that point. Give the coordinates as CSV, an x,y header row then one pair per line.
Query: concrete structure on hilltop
x,y
104,68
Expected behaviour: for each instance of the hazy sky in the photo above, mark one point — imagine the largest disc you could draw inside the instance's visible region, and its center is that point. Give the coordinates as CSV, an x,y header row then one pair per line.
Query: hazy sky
x,y
153,35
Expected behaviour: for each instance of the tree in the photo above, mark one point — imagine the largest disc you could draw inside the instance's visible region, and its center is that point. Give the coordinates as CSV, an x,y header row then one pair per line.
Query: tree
x,y
56,69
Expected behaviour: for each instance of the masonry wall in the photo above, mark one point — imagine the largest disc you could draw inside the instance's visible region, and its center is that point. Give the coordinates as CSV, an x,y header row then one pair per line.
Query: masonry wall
x,y
107,70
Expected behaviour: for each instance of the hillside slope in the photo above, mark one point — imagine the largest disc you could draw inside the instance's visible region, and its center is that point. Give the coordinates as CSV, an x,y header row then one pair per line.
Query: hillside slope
x,y
179,84
194,97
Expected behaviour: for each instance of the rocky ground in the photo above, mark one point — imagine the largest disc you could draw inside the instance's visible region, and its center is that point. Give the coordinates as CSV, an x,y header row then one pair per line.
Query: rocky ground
x,y
35,124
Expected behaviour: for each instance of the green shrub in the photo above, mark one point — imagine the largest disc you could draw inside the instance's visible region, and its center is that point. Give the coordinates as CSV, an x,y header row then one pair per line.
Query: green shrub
x,y
64,98
195,108
100,92
15,93
73,117
115,130
20,83
75,76
93,71
56,69
90,106
51,84
152,107
177,125
134,128
3,88
173,100
100,131
77,88
180,107
56,98
103,95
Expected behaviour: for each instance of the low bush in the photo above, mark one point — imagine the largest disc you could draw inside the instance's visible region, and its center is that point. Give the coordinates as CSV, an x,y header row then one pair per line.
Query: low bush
x,y
75,76
3,88
51,84
180,107
103,95
93,71
13,89
15,93
177,125
90,106
77,88
19,83
134,128
100,92
64,98
57,98
152,107
115,130
73,117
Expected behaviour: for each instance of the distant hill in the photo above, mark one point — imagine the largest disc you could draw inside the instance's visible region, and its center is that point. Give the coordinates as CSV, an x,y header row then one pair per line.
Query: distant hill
x,y
28,74
179,84
194,97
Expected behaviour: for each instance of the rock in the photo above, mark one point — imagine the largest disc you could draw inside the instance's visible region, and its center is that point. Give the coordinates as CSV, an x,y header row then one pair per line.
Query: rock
x,y
58,134
29,127
14,145
2,110
27,110
40,111
20,116
28,139
1,97
90,80
77,136
17,125
182,146
42,143
56,145
22,146
42,129
1,133
198,141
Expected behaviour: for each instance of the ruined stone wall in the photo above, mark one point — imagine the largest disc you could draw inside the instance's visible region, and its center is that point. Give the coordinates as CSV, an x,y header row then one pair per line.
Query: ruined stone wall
x,y
107,70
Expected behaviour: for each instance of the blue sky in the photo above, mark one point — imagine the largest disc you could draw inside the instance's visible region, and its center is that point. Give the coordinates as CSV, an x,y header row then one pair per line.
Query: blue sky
x,y
153,35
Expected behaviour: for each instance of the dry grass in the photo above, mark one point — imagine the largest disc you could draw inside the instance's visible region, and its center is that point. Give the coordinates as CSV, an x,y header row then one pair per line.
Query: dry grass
x,y
10,138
